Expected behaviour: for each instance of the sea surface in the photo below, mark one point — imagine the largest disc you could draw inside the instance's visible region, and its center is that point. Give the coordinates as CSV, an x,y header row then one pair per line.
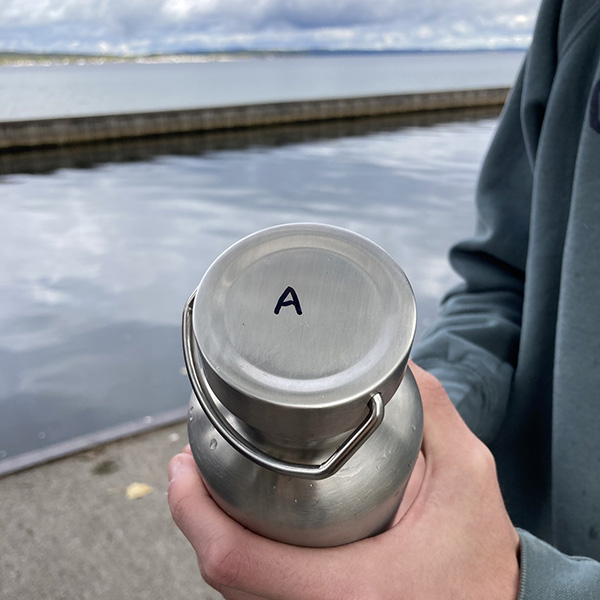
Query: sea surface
x,y
101,246
30,92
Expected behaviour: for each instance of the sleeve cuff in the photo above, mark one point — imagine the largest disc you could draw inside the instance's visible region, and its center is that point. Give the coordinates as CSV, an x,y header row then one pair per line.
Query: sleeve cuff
x,y
478,383
547,574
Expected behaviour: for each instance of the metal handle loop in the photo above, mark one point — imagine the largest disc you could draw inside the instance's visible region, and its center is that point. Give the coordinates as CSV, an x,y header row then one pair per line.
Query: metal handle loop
x,y
207,398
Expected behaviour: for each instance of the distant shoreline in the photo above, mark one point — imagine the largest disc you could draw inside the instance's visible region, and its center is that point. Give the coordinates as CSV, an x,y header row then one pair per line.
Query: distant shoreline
x,y
49,59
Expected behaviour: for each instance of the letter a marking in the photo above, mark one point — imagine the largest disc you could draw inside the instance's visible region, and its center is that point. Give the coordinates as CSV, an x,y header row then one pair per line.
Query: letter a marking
x,y
289,291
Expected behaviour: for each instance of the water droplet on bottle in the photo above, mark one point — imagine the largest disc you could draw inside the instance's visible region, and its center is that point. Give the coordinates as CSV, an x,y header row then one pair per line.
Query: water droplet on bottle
x,y
310,484
414,427
213,444
274,487
191,417
296,500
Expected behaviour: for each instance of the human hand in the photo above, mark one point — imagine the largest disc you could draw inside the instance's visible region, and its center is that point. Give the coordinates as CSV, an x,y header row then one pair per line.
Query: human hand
x,y
453,540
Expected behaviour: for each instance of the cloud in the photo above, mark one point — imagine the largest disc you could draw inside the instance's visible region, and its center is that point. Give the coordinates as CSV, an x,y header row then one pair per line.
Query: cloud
x,y
175,25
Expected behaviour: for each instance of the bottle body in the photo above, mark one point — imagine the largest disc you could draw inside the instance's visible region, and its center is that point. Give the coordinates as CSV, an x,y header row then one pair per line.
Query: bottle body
x,y
359,500
305,420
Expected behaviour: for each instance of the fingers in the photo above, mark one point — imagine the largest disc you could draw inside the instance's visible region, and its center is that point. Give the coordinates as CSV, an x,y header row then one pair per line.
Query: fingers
x,y
242,564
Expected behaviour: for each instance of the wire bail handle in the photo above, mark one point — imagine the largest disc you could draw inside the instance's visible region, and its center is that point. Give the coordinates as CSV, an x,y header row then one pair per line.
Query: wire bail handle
x,y
208,401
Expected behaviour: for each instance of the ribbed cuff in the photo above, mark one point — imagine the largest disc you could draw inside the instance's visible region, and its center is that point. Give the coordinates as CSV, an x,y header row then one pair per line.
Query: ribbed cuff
x,y
547,574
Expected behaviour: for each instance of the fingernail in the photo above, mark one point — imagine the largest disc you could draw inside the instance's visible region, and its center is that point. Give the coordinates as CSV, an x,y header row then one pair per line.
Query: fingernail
x,y
174,466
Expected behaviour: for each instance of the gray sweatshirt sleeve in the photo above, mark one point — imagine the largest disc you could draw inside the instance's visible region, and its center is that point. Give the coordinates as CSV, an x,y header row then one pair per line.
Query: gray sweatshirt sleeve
x,y
547,574
472,348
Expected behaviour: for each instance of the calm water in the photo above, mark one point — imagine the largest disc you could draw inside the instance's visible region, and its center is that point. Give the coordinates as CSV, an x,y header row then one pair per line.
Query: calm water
x,y
36,92
99,255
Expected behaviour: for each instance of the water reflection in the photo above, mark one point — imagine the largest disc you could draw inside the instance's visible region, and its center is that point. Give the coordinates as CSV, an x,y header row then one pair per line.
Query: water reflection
x,y
101,259
89,155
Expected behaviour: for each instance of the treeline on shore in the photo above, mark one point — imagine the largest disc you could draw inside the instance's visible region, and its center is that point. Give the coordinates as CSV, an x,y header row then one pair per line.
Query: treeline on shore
x,y
46,58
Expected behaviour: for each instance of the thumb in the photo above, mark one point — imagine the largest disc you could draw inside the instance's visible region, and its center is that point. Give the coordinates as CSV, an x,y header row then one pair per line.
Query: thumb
x,y
443,428
192,509
219,542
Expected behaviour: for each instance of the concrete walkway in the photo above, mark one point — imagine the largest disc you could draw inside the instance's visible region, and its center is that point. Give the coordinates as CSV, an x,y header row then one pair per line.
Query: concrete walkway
x,y
68,530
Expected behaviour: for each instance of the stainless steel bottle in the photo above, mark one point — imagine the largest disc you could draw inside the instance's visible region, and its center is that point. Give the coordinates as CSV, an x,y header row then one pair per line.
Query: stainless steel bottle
x,y
305,420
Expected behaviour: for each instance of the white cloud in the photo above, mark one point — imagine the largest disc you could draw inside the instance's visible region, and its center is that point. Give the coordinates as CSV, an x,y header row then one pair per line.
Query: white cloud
x,y
171,25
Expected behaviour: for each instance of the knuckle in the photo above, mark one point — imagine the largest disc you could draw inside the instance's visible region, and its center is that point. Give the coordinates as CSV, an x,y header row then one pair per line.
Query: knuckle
x,y
430,384
222,563
481,460
181,503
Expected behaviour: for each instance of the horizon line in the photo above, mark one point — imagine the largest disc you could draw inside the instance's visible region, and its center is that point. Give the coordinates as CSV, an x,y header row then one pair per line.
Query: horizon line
x,y
241,51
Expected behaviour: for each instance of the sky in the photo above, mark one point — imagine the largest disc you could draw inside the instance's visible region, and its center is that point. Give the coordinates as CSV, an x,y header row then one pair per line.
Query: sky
x,y
164,26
